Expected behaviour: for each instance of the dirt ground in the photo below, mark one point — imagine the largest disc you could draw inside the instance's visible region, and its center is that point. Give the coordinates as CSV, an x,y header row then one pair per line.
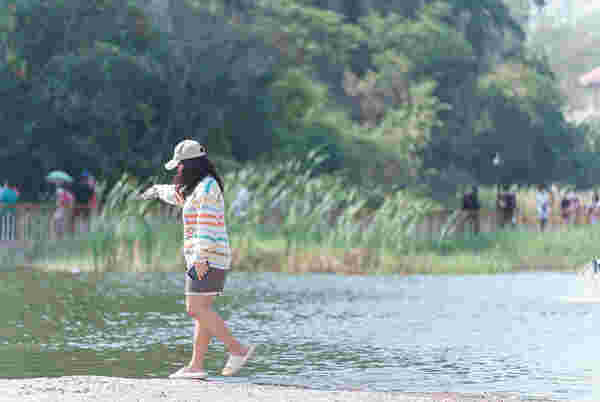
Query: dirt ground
x,y
92,388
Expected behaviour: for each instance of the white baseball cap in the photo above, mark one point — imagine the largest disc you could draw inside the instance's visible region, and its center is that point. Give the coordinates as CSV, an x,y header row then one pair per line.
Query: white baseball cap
x,y
186,149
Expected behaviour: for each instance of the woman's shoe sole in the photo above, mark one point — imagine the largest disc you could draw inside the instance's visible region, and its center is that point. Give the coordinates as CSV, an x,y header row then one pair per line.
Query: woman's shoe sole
x,y
198,375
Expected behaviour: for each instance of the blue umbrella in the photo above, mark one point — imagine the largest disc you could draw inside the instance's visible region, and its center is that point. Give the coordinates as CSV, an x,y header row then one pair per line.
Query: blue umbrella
x,y
8,196
59,175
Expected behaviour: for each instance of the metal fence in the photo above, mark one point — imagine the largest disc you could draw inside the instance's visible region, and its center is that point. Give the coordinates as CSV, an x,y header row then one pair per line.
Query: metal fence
x,y
8,224
25,222
31,222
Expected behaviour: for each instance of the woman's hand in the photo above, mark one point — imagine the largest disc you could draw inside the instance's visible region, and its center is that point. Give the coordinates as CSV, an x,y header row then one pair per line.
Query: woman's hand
x,y
201,269
150,194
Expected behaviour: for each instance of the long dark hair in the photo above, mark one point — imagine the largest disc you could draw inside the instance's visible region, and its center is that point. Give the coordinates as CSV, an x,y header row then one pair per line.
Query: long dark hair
x,y
193,172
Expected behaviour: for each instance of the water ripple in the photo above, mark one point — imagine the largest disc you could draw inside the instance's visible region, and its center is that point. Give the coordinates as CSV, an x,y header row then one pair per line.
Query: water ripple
x,y
417,333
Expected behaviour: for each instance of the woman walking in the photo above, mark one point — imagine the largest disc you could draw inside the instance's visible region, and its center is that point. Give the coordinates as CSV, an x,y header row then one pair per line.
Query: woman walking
x,y
542,200
198,189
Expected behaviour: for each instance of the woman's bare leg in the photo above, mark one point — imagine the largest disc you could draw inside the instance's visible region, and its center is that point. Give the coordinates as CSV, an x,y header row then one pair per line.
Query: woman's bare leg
x,y
202,338
209,324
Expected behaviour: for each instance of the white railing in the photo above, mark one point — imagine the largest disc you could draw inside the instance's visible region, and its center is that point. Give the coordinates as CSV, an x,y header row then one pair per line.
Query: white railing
x,y
31,222
8,225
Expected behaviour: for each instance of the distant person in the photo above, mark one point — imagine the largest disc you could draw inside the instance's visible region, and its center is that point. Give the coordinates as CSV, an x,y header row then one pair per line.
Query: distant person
x,y
8,220
241,203
85,195
542,200
91,181
8,194
565,209
15,190
65,201
506,204
594,209
471,208
574,207
198,190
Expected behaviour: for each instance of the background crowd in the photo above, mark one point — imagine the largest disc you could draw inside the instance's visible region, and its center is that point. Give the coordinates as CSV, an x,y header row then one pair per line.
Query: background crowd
x,y
76,200
569,206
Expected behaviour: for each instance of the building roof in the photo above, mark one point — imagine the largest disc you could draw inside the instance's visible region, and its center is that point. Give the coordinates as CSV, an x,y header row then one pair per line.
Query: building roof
x,y
591,79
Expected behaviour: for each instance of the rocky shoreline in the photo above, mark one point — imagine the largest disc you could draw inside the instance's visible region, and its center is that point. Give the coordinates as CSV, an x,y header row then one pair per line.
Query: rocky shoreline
x,y
94,388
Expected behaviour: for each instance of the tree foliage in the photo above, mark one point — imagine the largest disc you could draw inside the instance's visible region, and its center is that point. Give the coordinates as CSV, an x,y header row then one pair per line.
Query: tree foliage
x,y
392,92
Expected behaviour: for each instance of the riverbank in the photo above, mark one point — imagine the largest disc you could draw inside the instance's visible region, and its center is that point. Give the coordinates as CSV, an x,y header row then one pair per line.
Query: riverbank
x,y
364,233
93,388
486,253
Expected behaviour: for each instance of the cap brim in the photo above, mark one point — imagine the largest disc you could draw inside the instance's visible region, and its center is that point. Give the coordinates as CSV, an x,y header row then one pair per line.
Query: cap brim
x,y
172,164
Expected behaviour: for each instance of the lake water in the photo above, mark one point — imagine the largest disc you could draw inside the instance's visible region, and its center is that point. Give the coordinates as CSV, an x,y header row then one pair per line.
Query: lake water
x,y
509,333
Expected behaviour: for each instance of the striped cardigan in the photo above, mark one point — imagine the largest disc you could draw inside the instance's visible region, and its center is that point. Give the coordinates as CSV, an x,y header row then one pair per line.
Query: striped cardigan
x,y
204,231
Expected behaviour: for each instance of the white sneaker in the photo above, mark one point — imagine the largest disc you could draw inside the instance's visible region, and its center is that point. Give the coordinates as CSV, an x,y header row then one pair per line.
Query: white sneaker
x,y
235,363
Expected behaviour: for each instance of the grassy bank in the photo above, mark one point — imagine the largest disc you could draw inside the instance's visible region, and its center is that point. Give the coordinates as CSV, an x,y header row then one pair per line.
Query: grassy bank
x,y
507,251
504,251
295,222
287,211
266,249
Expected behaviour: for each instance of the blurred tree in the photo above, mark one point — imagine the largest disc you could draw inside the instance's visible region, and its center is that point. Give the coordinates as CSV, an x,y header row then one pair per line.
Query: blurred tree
x,y
115,92
572,51
391,91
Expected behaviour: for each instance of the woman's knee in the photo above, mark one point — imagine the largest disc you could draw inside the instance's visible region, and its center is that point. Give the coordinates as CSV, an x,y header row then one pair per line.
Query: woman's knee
x,y
198,306
195,310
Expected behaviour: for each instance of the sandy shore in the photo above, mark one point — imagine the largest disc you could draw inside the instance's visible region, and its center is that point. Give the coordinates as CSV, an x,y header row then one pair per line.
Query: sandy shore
x,y
92,388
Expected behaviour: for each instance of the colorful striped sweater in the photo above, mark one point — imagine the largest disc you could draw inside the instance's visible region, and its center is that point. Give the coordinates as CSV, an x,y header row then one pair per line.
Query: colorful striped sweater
x,y
204,230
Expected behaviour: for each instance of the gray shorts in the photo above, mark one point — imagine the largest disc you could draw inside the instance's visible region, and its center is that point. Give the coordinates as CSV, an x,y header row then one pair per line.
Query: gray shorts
x,y
211,284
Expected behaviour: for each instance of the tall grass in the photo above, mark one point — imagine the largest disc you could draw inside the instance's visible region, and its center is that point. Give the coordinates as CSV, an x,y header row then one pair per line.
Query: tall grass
x,y
126,235
311,213
505,251
296,221
292,218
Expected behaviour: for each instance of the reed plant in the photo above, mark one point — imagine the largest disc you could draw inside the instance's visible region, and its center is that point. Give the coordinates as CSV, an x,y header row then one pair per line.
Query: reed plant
x,y
307,211
127,234
292,215
505,251
297,221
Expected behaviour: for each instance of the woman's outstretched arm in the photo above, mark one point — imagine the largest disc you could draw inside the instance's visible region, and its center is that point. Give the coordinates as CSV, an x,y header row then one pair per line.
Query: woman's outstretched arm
x,y
164,192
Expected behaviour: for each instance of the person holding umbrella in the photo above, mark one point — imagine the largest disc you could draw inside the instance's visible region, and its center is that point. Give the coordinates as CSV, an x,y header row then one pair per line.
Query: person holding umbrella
x,y
65,201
